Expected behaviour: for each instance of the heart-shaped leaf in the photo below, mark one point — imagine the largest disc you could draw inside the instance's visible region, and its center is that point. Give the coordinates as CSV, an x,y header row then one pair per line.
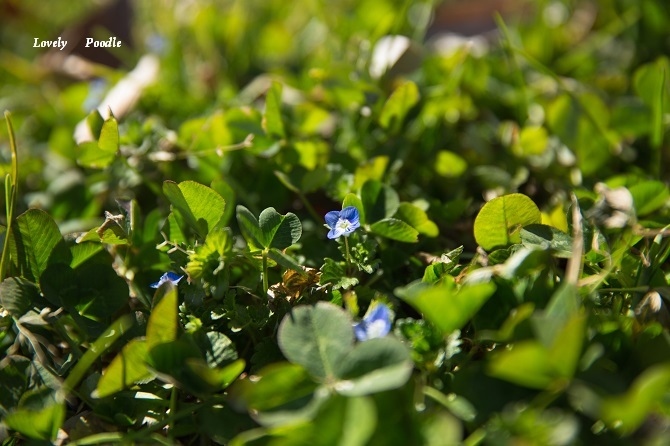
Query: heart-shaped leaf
x,y
279,231
316,337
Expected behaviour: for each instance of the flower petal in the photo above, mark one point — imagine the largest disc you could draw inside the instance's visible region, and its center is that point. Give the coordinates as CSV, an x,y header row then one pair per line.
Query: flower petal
x,y
172,277
167,277
331,218
379,311
378,321
360,332
351,214
352,227
335,232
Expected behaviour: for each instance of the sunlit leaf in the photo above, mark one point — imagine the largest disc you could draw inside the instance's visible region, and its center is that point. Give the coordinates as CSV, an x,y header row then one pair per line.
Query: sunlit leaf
x,y
625,413
398,104
272,118
446,307
128,367
200,206
500,221
395,230
163,325
37,239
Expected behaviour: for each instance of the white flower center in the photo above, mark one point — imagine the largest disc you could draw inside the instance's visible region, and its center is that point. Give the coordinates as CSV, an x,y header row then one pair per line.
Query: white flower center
x,y
376,329
343,224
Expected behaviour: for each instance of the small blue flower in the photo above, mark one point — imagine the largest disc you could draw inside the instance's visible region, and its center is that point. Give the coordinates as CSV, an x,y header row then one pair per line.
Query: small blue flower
x,y
167,277
375,324
342,222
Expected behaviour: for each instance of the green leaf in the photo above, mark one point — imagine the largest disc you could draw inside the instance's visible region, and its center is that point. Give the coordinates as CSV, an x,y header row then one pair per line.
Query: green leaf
x,y
286,181
127,368
316,337
101,154
38,237
172,230
373,366
545,236
522,263
286,261
228,374
163,325
110,233
274,386
200,206
115,330
101,291
201,378
564,354
456,404
355,201
179,363
652,83
449,164
360,421
533,140
95,122
379,201
17,295
398,104
279,231
206,133
445,306
625,413
272,118
335,274
526,364
533,364
222,188
109,136
250,228
417,218
371,169
93,290
14,376
39,416
217,347
395,230
563,306
83,251
500,221
649,196
580,124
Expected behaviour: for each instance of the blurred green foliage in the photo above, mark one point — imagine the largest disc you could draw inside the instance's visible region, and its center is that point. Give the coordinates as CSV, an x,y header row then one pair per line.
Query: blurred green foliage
x,y
514,211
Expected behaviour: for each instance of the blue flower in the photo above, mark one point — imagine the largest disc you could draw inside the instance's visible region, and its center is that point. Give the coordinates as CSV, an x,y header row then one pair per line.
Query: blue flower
x,y
167,277
342,222
375,324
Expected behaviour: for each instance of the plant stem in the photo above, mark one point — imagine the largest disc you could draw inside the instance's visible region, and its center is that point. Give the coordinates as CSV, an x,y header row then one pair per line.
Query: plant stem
x,y
309,208
346,248
11,191
265,273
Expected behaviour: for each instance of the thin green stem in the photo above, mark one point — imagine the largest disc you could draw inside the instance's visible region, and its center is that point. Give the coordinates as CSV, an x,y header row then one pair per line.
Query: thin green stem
x,y
317,218
11,191
265,273
346,249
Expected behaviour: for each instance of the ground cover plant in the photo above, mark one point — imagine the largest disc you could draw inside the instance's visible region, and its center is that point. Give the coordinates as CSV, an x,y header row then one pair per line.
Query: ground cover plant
x,y
291,236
